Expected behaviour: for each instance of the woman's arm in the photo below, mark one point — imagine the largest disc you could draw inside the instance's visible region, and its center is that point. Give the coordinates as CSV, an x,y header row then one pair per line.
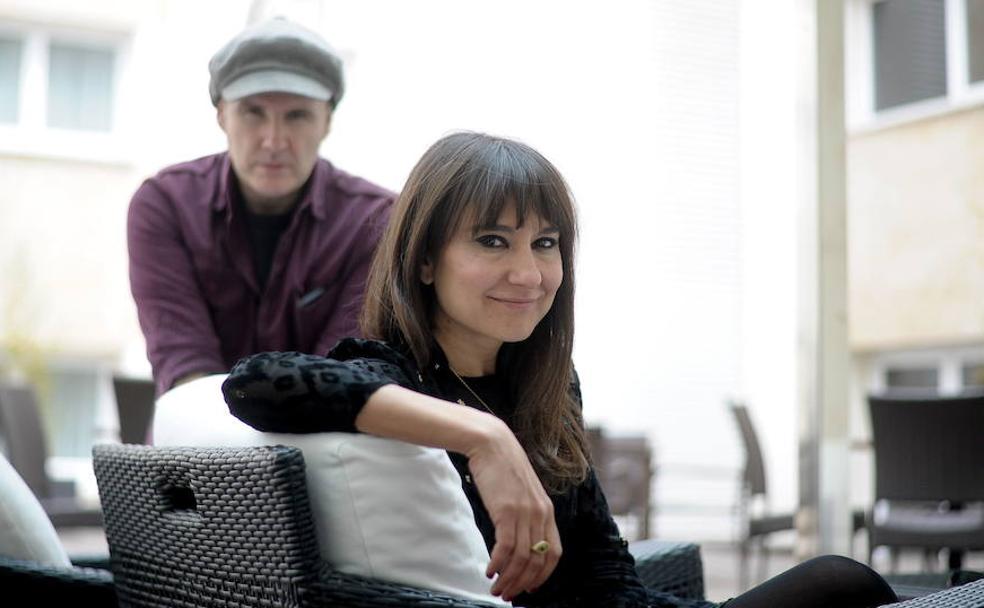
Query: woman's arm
x,y
511,491
296,393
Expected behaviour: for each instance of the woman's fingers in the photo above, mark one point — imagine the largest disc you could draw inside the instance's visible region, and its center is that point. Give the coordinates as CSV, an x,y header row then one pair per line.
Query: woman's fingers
x,y
520,510
509,583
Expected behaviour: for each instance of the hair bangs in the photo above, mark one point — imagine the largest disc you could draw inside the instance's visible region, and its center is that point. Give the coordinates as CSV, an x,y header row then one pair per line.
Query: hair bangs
x,y
507,173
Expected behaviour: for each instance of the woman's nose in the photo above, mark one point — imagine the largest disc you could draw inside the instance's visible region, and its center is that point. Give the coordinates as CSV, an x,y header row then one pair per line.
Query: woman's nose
x,y
525,270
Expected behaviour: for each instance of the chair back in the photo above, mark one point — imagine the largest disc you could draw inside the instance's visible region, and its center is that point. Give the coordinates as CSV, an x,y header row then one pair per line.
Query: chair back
x,y
27,450
135,407
753,474
207,526
928,449
624,468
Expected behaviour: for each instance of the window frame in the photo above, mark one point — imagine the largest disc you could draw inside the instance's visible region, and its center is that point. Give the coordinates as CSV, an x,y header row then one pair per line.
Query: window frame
x,y
30,135
961,93
949,362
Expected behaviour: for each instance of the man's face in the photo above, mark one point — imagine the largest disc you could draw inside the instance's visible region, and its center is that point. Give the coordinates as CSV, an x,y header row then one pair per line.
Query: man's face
x,y
273,145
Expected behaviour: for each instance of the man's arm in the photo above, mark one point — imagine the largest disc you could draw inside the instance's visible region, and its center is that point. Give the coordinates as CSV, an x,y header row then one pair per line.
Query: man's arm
x,y
181,340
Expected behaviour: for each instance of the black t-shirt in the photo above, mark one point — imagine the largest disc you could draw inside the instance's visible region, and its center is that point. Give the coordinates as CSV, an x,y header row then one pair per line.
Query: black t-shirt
x,y
264,233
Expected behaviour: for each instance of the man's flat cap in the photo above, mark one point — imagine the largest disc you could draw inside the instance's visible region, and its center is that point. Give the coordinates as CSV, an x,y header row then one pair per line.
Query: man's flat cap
x,y
276,56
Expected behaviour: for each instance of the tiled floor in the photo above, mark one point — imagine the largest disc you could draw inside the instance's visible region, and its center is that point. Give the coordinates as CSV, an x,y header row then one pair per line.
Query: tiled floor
x,y
720,560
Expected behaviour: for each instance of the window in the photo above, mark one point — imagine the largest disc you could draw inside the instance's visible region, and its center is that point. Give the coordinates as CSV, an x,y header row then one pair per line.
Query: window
x,y
922,378
80,87
975,40
937,371
973,376
909,51
58,92
10,64
907,59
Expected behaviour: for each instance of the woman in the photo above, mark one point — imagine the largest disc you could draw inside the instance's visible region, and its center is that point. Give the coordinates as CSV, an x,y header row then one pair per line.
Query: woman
x,y
470,303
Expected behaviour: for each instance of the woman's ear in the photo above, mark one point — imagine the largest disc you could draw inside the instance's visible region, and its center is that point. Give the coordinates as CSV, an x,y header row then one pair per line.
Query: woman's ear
x,y
427,272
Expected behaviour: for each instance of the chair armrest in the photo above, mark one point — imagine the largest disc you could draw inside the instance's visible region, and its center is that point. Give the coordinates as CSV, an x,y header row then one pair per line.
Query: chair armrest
x,y
670,567
964,596
335,588
93,561
51,585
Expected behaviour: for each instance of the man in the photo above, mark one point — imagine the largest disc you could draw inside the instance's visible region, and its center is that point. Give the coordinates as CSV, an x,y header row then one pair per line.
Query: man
x,y
265,246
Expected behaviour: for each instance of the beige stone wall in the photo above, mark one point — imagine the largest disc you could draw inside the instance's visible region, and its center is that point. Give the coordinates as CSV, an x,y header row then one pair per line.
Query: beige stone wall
x,y
63,259
916,233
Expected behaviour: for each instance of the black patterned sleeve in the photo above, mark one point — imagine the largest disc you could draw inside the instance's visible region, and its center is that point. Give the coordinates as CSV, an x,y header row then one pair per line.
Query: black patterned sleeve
x,y
607,570
297,393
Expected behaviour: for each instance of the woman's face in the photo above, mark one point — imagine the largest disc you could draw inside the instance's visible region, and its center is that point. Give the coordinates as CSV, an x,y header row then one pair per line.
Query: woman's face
x,y
495,284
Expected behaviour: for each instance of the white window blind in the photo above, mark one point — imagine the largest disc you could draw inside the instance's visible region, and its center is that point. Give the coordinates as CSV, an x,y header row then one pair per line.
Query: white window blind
x,y
80,87
10,62
909,51
975,40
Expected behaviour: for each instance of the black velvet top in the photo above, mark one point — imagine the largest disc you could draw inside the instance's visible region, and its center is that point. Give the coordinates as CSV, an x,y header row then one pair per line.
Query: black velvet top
x,y
296,393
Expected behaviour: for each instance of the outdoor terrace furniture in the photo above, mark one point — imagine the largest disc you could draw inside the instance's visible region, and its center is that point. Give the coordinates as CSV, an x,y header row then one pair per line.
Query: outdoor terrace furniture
x,y
190,526
624,466
929,486
135,407
81,585
20,427
233,527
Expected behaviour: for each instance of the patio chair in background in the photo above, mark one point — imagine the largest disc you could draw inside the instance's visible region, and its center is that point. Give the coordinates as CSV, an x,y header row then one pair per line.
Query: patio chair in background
x,y
20,425
624,468
135,407
755,518
233,527
929,489
756,522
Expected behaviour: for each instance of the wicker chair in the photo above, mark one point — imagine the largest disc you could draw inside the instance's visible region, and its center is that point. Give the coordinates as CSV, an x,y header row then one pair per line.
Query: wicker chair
x,y
233,527
928,459
82,585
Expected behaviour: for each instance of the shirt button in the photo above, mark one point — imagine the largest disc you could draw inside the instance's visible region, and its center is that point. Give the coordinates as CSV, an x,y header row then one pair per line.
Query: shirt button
x,y
468,478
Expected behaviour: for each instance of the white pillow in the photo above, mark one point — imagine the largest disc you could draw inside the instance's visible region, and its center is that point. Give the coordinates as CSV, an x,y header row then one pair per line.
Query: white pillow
x,y
26,532
382,508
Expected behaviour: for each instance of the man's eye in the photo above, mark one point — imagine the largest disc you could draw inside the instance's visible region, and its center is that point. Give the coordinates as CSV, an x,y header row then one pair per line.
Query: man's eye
x,y
492,241
299,115
546,242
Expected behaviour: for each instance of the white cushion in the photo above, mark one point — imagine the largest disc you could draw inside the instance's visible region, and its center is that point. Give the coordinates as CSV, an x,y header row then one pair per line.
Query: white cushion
x,y
26,532
382,508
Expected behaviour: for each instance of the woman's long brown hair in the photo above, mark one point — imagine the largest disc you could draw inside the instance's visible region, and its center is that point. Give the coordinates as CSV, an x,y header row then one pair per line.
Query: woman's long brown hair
x,y
475,175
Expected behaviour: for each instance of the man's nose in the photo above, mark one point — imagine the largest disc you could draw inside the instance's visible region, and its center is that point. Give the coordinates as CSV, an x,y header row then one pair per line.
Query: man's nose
x,y
274,135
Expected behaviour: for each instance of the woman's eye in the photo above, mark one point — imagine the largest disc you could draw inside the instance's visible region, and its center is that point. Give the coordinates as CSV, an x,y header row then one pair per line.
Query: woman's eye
x,y
491,241
546,242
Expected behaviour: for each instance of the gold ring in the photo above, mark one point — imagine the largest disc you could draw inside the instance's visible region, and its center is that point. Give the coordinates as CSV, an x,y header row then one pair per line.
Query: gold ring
x,y
540,547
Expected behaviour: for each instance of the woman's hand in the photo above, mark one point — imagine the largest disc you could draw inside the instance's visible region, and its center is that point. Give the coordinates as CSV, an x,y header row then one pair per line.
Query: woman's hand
x,y
520,509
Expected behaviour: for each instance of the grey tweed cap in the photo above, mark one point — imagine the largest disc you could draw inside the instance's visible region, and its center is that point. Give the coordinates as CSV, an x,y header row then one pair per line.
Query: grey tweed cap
x,y
276,56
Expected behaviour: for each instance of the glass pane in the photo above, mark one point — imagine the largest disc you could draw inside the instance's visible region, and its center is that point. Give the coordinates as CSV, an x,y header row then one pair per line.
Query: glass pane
x,y
72,402
975,40
973,375
10,62
910,51
913,377
80,87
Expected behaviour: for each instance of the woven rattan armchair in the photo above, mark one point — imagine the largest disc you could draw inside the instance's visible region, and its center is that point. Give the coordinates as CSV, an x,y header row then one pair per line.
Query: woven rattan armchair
x,y
233,527
44,585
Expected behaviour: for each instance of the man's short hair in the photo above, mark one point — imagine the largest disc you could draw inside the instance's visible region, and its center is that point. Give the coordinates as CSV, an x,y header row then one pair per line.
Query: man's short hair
x,y
276,56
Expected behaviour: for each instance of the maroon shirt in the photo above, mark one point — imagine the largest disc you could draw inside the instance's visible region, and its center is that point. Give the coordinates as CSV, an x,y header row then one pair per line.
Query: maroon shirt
x,y
191,270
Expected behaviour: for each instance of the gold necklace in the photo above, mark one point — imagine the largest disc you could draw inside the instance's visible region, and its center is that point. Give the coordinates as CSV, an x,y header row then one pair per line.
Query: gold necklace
x,y
474,394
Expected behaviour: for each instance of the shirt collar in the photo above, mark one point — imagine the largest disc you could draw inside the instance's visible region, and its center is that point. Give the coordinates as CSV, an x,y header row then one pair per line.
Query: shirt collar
x,y
317,183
